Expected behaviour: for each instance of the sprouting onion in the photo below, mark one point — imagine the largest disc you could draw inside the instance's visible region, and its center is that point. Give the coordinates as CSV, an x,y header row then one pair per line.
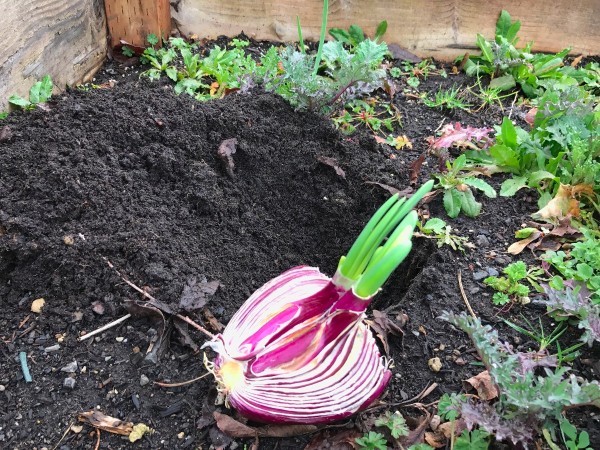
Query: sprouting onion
x,y
298,350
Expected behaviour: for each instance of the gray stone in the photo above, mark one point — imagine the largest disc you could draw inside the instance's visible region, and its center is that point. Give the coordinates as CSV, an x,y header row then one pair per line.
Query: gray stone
x,y
480,275
144,380
70,368
482,240
69,383
493,272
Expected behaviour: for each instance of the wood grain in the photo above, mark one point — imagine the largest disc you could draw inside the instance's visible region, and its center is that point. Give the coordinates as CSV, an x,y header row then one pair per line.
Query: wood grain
x,y
63,38
440,28
133,20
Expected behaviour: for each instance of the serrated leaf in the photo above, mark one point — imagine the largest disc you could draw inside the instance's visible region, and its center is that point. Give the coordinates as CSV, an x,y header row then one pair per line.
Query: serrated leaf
x,y
511,186
468,204
452,202
480,184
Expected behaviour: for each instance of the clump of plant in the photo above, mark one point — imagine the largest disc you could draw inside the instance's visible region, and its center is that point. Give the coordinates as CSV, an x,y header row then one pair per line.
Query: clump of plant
x,y
458,185
446,99
375,117
415,72
355,35
438,230
509,288
532,393
39,94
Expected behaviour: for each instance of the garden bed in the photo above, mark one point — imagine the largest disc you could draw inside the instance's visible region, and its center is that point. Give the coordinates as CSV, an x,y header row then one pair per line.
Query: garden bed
x,y
128,174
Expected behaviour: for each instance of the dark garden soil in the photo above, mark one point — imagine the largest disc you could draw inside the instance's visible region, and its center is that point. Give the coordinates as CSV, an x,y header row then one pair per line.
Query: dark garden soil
x,y
130,175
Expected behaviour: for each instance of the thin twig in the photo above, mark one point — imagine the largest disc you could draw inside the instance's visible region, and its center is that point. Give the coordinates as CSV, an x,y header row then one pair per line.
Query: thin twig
x,y
98,439
64,435
104,328
148,296
464,296
183,383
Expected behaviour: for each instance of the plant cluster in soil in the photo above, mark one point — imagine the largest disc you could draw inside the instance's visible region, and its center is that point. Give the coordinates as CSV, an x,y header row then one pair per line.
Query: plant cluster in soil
x,y
129,174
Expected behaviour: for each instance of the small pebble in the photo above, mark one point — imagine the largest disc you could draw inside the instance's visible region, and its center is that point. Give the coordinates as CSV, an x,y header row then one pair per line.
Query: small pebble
x,y
480,275
180,435
70,368
144,380
119,339
482,241
2,388
492,272
435,364
69,383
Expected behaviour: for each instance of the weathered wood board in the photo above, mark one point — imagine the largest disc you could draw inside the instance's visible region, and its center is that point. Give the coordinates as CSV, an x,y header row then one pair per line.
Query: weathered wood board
x,y
133,20
440,28
63,38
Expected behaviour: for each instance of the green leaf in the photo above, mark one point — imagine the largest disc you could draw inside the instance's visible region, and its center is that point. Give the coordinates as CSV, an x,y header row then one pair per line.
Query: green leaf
x,y
505,156
503,24
503,83
381,29
486,48
516,271
524,233
152,39
511,186
474,440
585,271
480,184
18,101
459,162
500,298
171,73
508,132
435,225
468,204
452,202
356,34
535,177
340,35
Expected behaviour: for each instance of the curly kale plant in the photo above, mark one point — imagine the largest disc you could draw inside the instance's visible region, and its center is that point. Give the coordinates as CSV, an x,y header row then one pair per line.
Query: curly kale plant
x,y
532,396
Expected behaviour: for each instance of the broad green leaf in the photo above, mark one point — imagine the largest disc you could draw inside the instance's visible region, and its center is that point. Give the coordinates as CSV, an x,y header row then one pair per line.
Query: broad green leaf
x,y
381,29
539,175
524,233
511,34
19,101
35,93
452,202
511,186
503,83
468,204
480,184
171,73
356,34
459,163
508,132
503,24
435,225
486,48
45,91
585,271
340,35
505,156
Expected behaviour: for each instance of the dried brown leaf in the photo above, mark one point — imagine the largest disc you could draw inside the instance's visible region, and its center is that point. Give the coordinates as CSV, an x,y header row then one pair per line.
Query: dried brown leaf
x,y
483,384
517,247
415,169
106,423
195,293
402,54
212,320
565,203
280,431
383,327
335,440
225,154
435,439
331,162
232,427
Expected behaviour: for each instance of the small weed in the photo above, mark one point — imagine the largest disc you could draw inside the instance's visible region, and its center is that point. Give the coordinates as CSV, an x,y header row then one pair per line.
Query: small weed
x,y
417,72
458,195
446,99
355,35
472,440
488,95
509,289
359,112
127,51
372,441
438,229
394,422
40,92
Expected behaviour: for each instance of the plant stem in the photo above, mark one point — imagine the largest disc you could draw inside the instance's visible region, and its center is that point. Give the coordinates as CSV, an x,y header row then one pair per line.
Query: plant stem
x,y
322,37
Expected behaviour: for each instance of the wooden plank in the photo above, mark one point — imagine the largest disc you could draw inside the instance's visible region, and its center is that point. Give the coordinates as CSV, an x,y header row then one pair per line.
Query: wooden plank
x,y
440,28
63,38
133,20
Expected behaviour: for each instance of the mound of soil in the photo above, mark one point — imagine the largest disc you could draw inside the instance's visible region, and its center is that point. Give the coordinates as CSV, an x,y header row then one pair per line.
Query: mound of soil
x,y
130,175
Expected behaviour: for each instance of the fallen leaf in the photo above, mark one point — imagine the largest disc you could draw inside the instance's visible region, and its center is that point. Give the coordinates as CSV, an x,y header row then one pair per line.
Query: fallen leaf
x,y
232,427
195,293
212,320
436,440
335,440
184,336
456,135
106,423
225,154
483,384
37,305
530,116
281,431
384,326
402,54
332,163
389,87
392,190
517,247
415,169
565,203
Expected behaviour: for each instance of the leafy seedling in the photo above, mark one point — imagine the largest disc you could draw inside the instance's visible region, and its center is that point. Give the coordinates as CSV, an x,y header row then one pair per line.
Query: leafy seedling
x,y
488,95
438,229
39,93
355,35
415,72
449,405
457,186
509,288
394,422
376,118
372,441
127,51
472,440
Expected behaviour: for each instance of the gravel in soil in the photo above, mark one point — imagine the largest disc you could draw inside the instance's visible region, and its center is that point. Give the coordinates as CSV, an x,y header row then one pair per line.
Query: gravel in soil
x,y
130,174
